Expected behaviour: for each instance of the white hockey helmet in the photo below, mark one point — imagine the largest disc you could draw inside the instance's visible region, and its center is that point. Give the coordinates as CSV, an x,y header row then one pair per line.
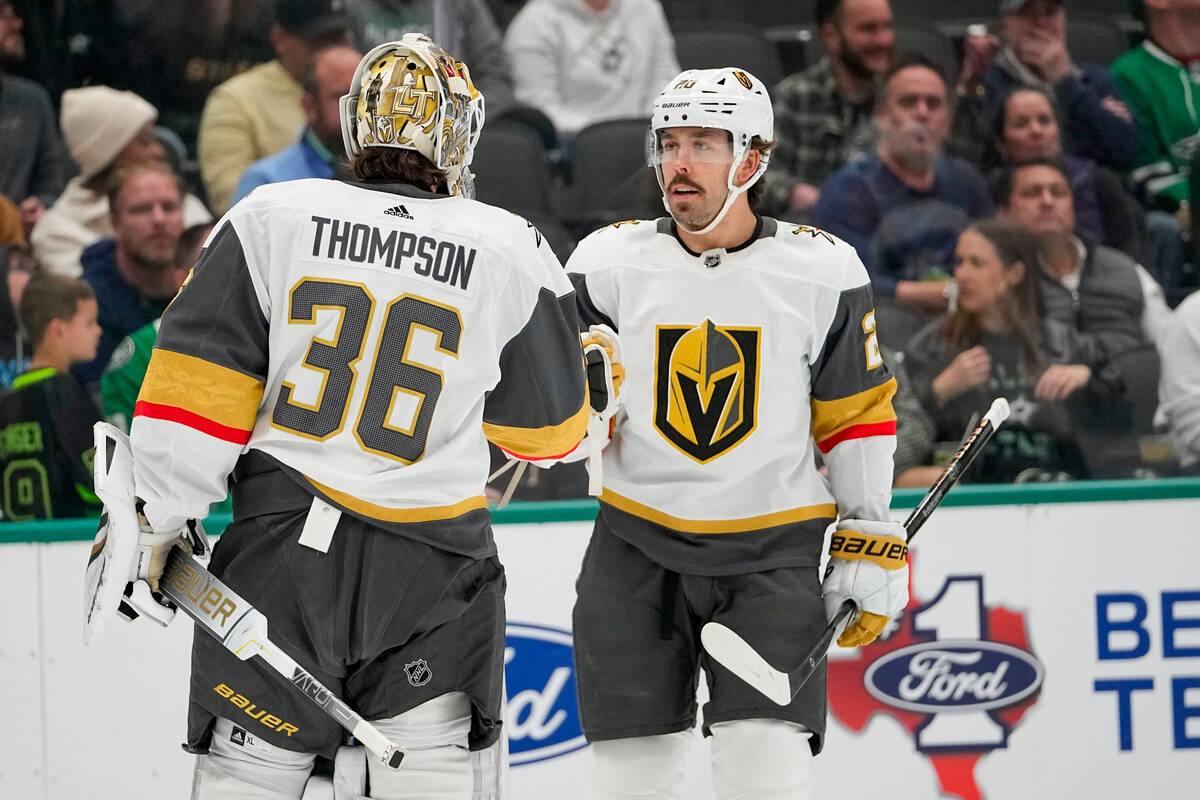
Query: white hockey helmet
x,y
411,94
727,98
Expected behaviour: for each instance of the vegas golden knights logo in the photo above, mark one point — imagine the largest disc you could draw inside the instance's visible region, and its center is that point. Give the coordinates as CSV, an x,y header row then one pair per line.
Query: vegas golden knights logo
x,y
705,387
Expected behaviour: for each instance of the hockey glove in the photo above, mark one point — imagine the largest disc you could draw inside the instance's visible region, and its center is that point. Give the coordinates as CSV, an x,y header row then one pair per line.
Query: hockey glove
x,y
868,563
128,557
605,372
142,595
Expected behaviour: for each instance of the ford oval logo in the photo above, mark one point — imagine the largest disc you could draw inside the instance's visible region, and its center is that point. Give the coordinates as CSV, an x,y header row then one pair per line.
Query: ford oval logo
x,y
542,715
954,674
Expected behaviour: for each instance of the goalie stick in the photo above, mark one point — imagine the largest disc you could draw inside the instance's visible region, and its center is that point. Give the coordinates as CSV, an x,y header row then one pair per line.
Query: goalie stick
x,y
242,629
735,654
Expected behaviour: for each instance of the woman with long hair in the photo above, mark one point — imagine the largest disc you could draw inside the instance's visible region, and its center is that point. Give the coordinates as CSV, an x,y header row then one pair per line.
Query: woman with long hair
x,y
996,342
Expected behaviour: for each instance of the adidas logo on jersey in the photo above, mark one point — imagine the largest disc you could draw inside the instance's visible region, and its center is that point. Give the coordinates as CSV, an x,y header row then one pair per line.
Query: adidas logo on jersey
x,y
238,737
399,211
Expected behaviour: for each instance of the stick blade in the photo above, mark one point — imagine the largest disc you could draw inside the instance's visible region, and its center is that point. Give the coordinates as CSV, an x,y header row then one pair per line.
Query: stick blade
x,y
732,652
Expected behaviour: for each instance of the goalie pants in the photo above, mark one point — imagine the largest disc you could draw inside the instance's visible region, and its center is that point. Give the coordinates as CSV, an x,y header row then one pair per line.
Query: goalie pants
x,y
637,642
385,622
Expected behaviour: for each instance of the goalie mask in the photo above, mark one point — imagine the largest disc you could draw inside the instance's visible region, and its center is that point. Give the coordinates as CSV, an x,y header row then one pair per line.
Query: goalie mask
x,y
728,98
412,95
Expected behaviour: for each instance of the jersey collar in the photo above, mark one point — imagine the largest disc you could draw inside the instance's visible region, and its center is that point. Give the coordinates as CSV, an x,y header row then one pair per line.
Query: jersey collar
x,y
764,228
395,187
30,378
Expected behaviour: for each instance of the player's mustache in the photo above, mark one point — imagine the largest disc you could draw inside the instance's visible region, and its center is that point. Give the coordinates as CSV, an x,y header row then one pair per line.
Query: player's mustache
x,y
682,181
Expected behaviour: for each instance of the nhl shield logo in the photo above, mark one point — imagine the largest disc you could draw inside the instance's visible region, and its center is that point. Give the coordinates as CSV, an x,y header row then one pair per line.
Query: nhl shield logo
x,y
418,672
705,387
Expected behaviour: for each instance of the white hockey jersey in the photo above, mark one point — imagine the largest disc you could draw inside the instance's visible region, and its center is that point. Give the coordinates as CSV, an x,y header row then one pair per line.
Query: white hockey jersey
x,y
736,362
367,339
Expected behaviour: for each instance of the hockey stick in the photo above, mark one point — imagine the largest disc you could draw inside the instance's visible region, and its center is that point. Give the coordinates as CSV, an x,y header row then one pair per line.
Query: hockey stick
x,y
242,629
735,654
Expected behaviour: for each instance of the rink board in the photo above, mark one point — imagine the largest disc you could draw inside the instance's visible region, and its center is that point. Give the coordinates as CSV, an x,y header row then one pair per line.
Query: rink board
x,y
1050,650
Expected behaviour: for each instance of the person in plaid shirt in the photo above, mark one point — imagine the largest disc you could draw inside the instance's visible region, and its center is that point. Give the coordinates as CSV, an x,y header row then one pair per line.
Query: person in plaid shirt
x,y
823,113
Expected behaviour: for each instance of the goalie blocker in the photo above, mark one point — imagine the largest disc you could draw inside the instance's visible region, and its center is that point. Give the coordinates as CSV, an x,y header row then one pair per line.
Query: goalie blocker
x,y
127,557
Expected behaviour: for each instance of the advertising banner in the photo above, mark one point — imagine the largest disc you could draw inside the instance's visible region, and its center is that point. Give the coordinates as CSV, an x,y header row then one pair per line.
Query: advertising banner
x,y
1048,651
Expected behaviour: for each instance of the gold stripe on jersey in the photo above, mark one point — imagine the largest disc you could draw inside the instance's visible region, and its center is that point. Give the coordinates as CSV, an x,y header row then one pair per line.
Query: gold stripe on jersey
x,y
546,442
216,393
386,514
869,407
774,519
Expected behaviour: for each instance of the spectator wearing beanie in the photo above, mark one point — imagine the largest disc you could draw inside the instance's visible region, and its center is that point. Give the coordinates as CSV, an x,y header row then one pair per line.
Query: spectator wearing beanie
x,y
105,130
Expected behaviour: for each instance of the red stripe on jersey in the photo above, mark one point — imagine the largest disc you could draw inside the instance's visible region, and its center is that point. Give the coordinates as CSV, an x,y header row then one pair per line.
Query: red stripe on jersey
x,y
191,420
539,458
857,432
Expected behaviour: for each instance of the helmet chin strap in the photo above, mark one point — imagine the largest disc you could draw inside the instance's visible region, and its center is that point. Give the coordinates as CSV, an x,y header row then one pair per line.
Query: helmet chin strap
x,y
734,191
729,198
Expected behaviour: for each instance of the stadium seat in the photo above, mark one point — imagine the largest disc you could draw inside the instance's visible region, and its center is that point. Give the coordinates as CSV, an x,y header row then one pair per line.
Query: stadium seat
x,y
604,157
779,13
761,14
696,12
511,169
935,12
1094,39
921,38
729,45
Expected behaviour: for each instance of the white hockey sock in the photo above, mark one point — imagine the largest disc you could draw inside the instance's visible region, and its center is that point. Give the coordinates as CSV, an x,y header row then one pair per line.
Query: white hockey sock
x,y
761,759
643,767
240,766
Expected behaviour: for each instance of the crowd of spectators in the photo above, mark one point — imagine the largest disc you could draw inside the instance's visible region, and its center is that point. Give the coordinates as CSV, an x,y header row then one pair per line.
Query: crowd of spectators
x,y
1025,215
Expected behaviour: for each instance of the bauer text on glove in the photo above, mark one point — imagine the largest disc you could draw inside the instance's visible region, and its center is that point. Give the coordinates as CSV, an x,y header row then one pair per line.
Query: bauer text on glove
x,y
868,563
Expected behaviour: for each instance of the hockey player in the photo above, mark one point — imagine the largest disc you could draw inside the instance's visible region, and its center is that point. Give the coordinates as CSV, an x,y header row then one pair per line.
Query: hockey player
x,y
745,340
341,352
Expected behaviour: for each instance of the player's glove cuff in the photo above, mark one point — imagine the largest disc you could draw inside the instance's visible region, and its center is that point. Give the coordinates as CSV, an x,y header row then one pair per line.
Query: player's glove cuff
x,y
868,565
881,543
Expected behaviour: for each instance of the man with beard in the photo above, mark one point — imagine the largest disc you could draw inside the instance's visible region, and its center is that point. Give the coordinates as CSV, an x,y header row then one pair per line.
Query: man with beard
x,y
319,152
748,344
33,163
903,207
823,113
132,273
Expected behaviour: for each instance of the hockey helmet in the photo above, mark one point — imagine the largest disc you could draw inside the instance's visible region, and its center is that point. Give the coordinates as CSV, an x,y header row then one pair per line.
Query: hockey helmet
x,y
727,98
412,95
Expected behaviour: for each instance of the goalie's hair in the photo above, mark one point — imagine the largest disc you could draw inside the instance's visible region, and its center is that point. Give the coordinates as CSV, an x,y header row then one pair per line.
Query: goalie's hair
x,y
405,166
49,297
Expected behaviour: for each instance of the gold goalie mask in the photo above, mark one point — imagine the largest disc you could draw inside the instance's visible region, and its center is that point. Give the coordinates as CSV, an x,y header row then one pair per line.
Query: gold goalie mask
x,y
411,94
